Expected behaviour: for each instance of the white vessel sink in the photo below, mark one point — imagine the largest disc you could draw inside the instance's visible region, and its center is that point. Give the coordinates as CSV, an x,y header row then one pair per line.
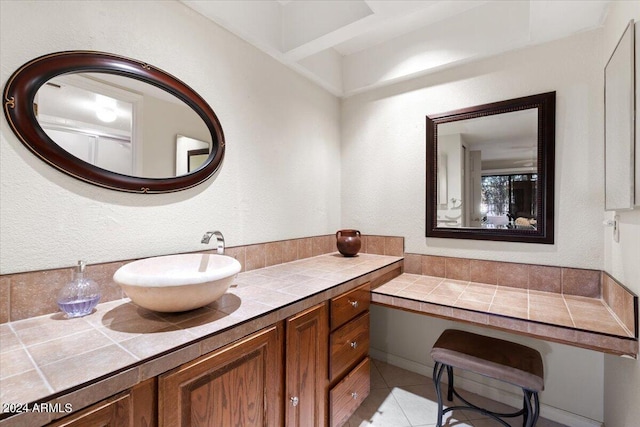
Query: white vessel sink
x,y
174,283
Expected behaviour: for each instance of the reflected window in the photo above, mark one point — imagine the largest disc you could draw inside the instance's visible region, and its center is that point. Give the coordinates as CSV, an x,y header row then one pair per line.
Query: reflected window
x,y
511,197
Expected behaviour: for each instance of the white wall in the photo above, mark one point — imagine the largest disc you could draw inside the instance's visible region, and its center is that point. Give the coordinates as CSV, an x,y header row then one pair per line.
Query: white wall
x,y
383,191
280,178
622,376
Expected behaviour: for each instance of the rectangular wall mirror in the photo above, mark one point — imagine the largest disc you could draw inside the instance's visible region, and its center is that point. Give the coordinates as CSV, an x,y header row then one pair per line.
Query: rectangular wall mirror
x,y
490,171
619,102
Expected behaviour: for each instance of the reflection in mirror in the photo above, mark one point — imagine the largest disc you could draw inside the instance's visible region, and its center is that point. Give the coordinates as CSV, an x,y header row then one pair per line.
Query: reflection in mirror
x,y
619,125
196,158
191,153
111,121
490,171
117,123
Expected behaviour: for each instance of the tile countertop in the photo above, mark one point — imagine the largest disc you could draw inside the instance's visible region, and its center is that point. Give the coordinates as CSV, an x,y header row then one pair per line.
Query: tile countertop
x,y
574,320
82,361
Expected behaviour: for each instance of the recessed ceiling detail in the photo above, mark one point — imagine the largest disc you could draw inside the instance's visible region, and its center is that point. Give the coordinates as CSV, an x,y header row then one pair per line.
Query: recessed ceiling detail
x,y
349,46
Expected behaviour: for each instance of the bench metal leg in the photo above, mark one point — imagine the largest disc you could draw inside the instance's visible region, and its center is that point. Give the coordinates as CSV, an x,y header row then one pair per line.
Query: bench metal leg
x,y
530,411
438,368
450,388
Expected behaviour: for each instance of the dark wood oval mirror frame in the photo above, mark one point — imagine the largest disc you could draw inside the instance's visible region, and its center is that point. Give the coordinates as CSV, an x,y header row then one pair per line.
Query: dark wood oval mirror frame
x,y
544,233
24,83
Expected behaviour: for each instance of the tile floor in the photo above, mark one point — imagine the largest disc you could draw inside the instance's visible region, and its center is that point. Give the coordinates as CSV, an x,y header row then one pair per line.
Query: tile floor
x,y
400,398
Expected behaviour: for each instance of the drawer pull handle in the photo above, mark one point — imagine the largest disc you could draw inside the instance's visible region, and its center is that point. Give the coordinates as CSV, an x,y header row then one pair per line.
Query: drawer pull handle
x,y
354,344
354,304
354,395
295,401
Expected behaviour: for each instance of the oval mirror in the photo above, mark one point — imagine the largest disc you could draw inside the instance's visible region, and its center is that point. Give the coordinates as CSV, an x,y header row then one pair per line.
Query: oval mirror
x,y
114,122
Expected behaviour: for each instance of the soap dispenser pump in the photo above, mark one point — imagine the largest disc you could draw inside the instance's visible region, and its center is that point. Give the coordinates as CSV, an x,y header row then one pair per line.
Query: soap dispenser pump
x,y
79,297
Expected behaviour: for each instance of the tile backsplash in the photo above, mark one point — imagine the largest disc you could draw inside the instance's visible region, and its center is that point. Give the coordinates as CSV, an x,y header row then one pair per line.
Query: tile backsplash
x,y
33,293
623,303
30,294
565,280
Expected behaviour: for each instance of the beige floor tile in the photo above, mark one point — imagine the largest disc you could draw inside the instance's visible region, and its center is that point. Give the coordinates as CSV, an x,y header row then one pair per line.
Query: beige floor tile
x,y
394,376
420,405
376,378
380,409
415,405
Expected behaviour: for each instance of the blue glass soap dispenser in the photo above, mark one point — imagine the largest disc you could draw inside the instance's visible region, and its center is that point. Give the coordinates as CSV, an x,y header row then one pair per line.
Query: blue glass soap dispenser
x,y
79,297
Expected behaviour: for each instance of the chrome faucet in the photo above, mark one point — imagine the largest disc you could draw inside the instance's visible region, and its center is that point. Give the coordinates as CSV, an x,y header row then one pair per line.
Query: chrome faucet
x,y
219,240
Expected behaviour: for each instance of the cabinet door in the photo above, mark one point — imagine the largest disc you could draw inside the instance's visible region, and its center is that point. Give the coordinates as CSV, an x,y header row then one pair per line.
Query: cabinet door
x,y
238,385
114,412
133,408
306,367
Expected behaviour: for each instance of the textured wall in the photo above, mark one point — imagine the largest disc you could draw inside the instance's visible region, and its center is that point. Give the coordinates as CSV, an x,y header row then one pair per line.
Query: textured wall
x,y
622,376
383,188
384,137
280,178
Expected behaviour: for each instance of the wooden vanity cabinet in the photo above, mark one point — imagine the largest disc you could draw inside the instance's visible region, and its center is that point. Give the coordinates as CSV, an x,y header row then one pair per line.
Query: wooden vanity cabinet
x,y
133,408
242,384
348,353
237,385
310,370
306,360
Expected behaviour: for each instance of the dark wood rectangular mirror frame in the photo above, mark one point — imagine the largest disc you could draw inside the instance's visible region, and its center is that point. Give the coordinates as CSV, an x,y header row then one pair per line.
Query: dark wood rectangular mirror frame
x,y
544,232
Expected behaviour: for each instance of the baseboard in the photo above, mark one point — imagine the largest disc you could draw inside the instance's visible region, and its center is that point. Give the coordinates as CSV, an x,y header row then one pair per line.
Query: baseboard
x,y
546,411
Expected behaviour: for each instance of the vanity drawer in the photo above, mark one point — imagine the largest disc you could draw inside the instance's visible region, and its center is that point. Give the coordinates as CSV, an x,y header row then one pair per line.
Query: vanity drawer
x,y
348,345
350,304
349,393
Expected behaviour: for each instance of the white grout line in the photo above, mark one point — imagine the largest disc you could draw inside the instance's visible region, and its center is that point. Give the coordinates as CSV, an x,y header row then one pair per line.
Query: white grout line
x,y
33,362
493,297
569,311
617,319
118,344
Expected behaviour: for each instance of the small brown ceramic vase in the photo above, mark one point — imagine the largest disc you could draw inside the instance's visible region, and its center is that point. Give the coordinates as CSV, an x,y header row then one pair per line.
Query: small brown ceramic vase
x,y
348,242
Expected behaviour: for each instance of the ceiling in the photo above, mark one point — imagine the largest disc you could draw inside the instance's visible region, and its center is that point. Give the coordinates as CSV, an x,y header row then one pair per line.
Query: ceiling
x,y
349,46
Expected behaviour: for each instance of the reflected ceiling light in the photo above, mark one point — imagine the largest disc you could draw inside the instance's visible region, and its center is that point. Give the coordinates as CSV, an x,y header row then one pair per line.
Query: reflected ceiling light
x,y
106,109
